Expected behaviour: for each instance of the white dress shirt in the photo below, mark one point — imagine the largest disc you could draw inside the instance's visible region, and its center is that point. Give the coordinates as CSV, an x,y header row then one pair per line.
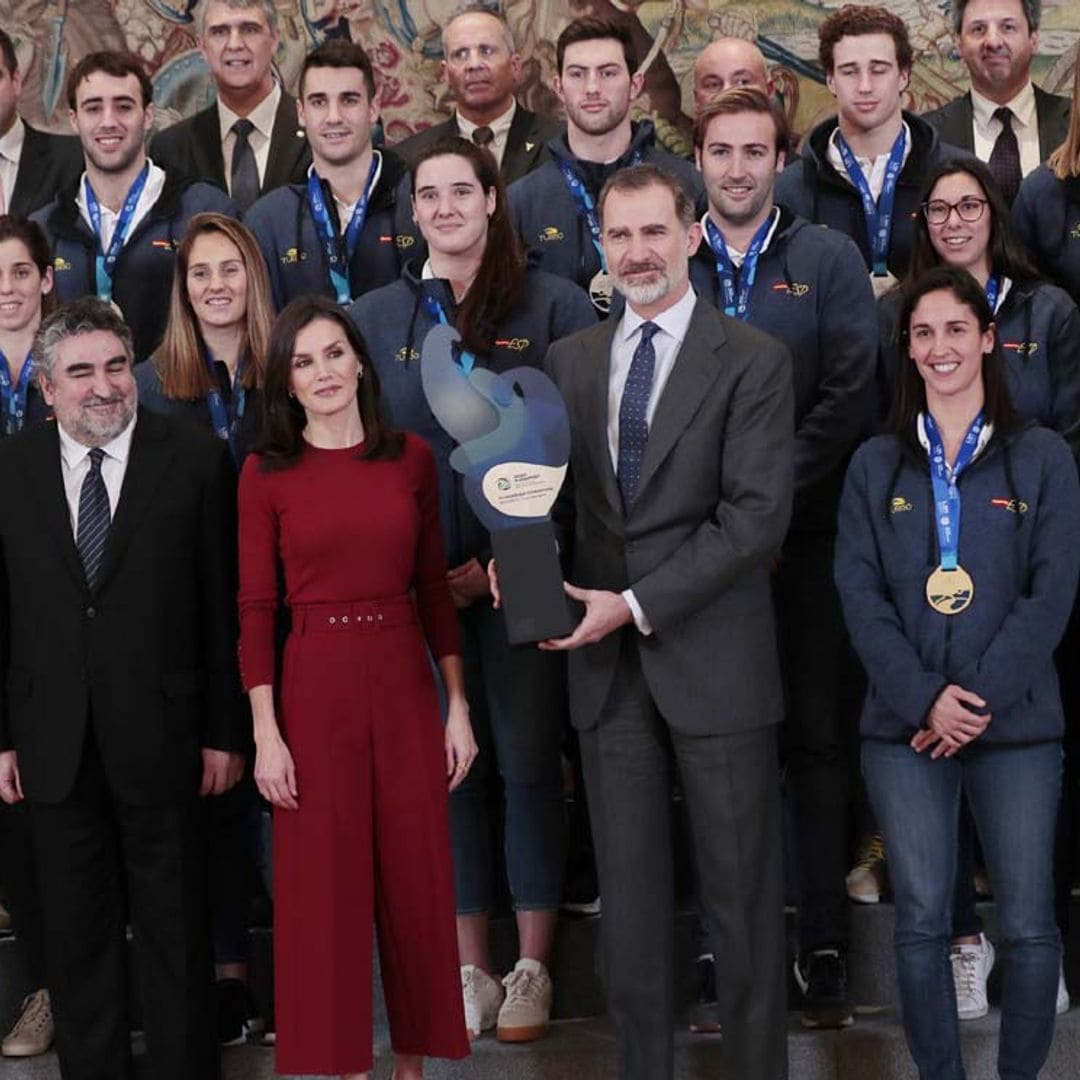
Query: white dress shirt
x,y
11,145
75,464
262,116
673,323
1025,124
872,168
500,128
155,183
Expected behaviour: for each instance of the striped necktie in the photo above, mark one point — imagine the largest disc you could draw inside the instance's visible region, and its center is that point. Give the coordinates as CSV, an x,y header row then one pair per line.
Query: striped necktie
x,y
94,519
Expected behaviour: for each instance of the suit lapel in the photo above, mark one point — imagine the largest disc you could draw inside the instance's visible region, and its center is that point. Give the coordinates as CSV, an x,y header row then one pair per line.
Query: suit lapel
x,y
30,172
206,147
52,500
962,133
696,368
518,156
286,146
1052,117
595,363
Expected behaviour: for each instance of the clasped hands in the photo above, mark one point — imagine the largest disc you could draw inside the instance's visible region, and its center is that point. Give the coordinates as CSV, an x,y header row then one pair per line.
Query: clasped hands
x,y
951,724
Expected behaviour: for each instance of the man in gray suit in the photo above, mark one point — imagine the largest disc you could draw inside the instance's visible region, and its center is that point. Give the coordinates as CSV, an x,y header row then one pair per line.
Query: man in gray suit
x,y
678,496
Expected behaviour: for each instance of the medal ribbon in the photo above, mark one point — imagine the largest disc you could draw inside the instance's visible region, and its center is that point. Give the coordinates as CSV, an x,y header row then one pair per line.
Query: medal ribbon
x,y
13,398
226,418
737,301
340,250
436,311
879,215
946,491
585,204
993,290
105,261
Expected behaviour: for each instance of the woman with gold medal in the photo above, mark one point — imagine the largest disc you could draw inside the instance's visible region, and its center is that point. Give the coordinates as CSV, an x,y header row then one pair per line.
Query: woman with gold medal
x,y
957,562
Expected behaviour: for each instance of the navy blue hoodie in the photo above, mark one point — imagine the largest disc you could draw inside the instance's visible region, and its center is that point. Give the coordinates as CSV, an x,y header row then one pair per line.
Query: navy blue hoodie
x,y
812,293
1046,214
142,280
546,216
394,322
296,257
1039,330
1018,541
813,189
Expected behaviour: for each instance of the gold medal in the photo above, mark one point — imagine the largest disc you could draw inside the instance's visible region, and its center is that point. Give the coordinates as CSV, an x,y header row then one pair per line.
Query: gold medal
x,y
601,290
949,592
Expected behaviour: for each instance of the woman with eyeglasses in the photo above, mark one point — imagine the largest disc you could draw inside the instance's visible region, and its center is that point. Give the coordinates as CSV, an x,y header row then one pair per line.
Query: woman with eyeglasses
x,y
956,563
964,222
1046,213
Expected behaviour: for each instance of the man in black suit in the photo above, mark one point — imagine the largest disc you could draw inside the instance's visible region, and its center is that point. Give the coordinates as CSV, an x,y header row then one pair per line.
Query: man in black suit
x,y
34,165
120,705
482,66
248,142
678,498
1004,119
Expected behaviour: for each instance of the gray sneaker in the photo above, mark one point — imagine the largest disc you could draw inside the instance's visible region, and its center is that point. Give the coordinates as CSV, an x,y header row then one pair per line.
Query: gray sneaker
x,y
482,996
33,1032
526,1011
971,967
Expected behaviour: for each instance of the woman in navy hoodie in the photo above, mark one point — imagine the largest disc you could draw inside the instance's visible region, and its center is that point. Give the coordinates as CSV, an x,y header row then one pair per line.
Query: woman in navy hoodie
x,y
476,278
956,622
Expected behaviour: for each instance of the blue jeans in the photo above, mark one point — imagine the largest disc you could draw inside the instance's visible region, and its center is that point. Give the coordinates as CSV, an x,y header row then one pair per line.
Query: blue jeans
x,y
1013,793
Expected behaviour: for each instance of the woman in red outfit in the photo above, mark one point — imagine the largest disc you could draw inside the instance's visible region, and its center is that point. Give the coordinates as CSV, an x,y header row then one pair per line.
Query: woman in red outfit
x,y
349,745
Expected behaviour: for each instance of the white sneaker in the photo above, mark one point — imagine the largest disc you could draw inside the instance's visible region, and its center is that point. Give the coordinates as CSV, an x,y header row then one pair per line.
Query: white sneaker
x,y
1063,1002
526,1011
971,967
482,996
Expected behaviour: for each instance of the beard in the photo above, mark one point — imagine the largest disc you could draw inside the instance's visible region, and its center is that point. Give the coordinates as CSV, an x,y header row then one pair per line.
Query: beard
x,y
91,424
643,293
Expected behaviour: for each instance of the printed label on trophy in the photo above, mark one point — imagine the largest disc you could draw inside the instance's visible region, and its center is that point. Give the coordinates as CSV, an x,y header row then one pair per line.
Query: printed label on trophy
x,y
519,489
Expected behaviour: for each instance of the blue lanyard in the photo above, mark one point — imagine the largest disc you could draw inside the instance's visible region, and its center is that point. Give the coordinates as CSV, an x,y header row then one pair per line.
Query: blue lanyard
x,y
585,204
226,418
435,310
13,398
946,492
879,215
105,262
737,302
993,290
339,258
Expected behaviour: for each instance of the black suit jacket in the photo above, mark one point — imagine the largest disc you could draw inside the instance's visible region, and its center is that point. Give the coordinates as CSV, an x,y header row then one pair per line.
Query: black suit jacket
x,y
147,658
526,142
954,122
48,163
193,147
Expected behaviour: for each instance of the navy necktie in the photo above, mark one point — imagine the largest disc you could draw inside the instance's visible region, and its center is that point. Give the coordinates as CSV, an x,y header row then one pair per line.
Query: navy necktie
x,y
633,409
92,529
1004,160
245,172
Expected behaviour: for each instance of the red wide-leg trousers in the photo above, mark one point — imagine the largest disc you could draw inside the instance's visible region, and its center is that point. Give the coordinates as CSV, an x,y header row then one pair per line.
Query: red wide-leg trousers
x,y
370,844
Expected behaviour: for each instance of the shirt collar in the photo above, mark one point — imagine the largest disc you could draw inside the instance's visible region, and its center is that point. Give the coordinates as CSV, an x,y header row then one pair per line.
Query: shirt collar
x,y
1022,106
119,448
262,116
12,142
837,162
374,182
985,436
499,126
674,321
735,251
155,184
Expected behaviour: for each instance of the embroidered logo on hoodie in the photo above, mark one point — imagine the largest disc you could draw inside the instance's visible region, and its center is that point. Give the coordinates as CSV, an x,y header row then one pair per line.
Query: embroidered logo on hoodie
x,y
795,288
1014,506
1021,348
899,505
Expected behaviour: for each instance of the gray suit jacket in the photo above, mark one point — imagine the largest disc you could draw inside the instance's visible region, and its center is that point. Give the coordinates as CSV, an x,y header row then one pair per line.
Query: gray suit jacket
x,y
954,122
712,509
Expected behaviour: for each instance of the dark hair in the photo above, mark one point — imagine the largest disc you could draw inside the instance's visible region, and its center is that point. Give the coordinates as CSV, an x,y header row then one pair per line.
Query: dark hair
x,y
742,99
32,237
1032,10
1007,253
115,62
499,286
7,53
647,175
854,20
81,316
480,7
281,441
339,53
909,396
595,28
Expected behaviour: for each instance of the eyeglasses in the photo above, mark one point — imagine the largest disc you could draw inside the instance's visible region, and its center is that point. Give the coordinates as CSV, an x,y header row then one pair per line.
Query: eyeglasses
x,y
968,209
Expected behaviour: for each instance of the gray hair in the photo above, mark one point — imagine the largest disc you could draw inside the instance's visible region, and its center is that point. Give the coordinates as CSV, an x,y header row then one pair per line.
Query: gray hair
x,y
267,7
82,316
647,175
479,7
1032,10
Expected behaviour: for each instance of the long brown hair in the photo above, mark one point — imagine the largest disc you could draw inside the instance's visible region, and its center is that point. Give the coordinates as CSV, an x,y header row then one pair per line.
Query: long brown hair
x,y
283,418
499,286
1064,162
180,358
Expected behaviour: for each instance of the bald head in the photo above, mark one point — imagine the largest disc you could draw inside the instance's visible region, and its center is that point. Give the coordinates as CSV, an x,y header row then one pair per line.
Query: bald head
x,y
725,63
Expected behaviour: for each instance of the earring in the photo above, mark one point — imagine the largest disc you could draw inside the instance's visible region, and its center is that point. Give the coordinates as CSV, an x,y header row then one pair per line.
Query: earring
x,y
359,372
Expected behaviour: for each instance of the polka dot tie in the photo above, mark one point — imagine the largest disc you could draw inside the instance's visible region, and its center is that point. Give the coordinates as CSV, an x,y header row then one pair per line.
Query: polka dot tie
x,y
633,409
1004,163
